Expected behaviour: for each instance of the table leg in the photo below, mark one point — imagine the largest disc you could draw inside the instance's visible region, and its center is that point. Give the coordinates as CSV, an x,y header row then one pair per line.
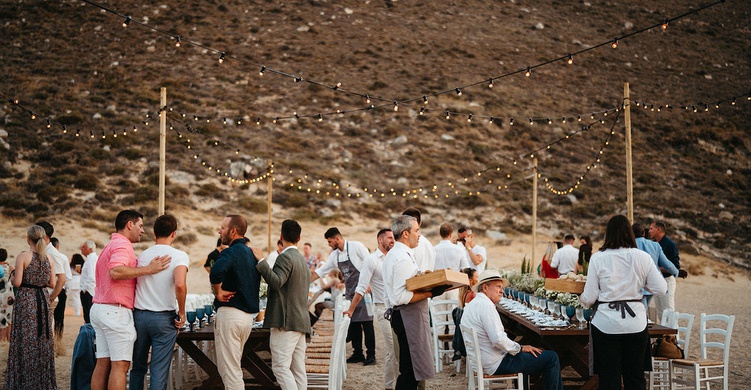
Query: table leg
x,y
214,381
256,366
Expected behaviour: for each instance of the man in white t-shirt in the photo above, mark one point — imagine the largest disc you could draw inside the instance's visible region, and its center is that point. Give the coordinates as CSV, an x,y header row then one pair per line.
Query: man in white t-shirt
x,y
566,258
476,254
159,307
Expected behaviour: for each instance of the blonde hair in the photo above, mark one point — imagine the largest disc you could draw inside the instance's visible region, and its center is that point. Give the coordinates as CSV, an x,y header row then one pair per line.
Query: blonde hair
x,y
36,234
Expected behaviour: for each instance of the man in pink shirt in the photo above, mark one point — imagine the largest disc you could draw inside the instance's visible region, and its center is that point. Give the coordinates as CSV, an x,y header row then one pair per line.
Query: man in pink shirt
x,y
112,311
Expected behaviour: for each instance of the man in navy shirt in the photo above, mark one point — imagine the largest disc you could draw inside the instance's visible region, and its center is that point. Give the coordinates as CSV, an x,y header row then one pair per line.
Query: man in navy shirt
x,y
235,282
657,233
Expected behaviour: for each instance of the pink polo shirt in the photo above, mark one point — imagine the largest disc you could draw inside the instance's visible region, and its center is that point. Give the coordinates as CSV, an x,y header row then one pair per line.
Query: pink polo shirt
x,y
118,252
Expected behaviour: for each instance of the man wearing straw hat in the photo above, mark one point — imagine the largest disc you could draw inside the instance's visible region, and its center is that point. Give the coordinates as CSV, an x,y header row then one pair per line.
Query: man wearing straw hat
x,y
501,355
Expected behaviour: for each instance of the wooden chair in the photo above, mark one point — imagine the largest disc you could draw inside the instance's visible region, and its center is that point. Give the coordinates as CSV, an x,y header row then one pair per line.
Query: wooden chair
x,y
659,377
442,329
474,364
698,373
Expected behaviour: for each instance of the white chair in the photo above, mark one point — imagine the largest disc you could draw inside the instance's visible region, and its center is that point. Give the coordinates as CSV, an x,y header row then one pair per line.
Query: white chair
x,y
334,376
659,377
443,329
698,373
474,364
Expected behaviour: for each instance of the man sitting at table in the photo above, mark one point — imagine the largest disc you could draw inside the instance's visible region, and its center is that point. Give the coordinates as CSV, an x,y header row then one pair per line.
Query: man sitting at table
x,y
501,355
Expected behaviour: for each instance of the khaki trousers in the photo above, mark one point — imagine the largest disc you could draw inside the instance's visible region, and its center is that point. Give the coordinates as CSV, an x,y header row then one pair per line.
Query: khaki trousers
x,y
231,331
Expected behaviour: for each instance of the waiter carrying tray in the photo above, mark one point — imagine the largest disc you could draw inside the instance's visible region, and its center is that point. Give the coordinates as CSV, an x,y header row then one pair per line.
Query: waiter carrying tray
x,y
410,317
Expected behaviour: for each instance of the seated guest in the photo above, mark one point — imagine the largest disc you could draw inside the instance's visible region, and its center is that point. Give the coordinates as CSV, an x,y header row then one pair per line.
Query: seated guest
x,y
501,355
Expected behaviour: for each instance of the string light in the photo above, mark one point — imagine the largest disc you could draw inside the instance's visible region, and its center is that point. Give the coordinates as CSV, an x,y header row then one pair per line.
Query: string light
x,y
570,59
664,25
458,91
396,106
490,83
469,118
262,71
614,45
178,42
528,72
425,100
127,20
221,58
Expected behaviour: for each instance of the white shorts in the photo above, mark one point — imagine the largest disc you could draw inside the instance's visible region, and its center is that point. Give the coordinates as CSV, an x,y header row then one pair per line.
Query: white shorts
x,y
115,332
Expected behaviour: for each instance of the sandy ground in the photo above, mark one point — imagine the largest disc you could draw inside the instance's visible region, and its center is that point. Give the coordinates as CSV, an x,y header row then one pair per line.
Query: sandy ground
x,y
718,290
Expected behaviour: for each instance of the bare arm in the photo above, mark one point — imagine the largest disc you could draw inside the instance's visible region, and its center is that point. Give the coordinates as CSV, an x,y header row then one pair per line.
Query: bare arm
x,y
420,295
158,264
181,290
222,295
20,263
51,282
355,301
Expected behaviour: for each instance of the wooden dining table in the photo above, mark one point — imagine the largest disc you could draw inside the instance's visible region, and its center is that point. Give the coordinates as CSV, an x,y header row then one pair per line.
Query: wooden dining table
x,y
260,368
570,343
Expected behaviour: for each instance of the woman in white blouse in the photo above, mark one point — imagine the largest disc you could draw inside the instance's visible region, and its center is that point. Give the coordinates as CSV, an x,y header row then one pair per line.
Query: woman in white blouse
x,y
617,274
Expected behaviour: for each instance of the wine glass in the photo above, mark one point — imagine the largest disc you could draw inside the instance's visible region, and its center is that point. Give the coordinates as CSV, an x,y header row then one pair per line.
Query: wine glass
x,y
200,312
556,310
564,313
191,319
209,312
580,317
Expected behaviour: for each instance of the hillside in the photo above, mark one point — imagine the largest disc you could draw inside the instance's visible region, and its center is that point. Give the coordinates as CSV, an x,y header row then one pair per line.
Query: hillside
x,y
75,64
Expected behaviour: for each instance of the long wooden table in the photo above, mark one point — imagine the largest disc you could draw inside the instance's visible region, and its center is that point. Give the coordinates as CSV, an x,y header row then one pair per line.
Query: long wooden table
x,y
259,368
571,344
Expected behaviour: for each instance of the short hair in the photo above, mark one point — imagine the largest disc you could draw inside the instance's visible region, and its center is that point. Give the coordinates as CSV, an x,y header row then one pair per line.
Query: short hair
x,y
382,232
55,242
445,230
402,224
618,234
125,216
569,237
331,232
247,240
239,223
413,212
661,225
49,230
464,229
165,225
469,271
3,254
638,230
291,231
308,244
90,244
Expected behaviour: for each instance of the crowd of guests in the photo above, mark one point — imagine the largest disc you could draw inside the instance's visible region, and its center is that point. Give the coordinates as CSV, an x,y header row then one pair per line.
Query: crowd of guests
x,y
136,304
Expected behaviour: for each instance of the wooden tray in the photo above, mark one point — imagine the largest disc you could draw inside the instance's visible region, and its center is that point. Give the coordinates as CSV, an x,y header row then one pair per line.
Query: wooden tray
x,y
564,285
442,277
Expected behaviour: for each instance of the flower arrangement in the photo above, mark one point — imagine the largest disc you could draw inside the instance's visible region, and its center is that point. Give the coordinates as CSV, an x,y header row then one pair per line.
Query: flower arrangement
x,y
541,292
568,299
263,290
551,295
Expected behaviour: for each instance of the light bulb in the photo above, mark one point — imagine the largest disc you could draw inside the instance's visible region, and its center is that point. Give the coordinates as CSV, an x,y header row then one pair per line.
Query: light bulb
x,y
127,20
320,118
531,122
528,72
448,115
458,91
221,58
614,45
469,118
262,71
425,99
177,41
664,25
570,59
396,106
298,79
422,110
367,99
490,83
511,121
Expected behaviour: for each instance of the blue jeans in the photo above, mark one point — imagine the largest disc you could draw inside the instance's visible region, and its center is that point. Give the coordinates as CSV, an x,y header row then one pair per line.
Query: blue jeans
x,y
545,363
155,330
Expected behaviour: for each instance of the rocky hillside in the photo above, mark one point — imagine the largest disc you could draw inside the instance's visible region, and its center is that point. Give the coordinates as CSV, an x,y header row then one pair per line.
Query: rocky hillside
x,y
456,155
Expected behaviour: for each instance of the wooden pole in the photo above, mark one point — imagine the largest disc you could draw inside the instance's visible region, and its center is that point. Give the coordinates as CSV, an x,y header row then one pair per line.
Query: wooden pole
x,y
534,214
269,206
629,157
162,148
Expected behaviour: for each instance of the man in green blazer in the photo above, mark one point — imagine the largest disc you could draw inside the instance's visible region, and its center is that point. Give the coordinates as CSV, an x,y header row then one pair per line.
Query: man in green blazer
x,y
287,310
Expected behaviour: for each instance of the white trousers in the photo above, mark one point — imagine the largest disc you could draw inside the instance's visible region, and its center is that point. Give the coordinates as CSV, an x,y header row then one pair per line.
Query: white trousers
x,y
391,364
231,331
288,359
666,301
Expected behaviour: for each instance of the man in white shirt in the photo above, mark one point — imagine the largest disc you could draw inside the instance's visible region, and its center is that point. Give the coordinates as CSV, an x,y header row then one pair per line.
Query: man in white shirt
x,y
371,278
159,308
424,252
271,259
447,254
88,277
348,257
62,299
408,310
566,258
500,354
476,254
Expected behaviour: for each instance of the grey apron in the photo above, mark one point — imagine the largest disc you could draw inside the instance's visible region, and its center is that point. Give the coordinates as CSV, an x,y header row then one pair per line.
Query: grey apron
x,y
351,277
416,318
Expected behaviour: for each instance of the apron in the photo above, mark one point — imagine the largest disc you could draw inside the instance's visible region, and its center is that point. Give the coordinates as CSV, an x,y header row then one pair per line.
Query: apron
x,y
624,308
351,277
416,318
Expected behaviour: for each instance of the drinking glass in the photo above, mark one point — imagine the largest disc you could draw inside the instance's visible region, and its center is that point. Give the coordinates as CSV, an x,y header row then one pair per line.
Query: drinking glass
x,y
557,310
191,319
521,297
209,312
533,302
200,312
580,316
564,313
570,312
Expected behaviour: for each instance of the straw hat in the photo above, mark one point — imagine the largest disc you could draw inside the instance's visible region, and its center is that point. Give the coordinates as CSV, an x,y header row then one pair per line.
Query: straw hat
x,y
488,275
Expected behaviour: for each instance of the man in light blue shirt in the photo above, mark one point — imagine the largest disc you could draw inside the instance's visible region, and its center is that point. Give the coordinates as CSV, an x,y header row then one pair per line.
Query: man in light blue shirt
x,y
655,251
